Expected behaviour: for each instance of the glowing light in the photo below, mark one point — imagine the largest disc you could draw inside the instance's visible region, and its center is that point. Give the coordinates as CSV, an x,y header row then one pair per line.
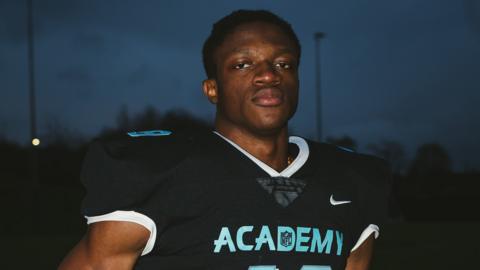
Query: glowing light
x,y
36,141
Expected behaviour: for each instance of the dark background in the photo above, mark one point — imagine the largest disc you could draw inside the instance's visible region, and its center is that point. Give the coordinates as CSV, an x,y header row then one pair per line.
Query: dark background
x,y
399,79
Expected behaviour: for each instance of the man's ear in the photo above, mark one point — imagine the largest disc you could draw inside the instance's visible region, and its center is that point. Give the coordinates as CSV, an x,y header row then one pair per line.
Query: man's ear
x,y
210,90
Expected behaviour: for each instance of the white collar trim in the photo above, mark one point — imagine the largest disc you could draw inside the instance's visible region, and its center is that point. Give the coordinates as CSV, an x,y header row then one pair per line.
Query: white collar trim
x,y
303,153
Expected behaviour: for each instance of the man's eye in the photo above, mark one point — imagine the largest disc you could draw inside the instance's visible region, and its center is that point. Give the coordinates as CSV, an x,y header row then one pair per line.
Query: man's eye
x,y
283,65
241,65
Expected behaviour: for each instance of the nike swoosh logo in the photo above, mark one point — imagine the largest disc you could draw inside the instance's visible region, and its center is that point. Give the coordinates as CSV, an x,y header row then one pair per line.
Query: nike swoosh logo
x,y
335,202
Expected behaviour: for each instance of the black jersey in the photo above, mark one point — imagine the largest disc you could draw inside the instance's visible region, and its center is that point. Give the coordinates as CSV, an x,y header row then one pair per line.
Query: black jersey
x,y
210,205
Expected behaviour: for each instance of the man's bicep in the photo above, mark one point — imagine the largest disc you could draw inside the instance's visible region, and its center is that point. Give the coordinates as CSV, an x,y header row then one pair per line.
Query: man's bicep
x,y
360,258
108,245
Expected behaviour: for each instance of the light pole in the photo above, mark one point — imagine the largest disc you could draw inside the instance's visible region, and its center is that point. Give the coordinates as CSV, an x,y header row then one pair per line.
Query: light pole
x,y
317,36
31,84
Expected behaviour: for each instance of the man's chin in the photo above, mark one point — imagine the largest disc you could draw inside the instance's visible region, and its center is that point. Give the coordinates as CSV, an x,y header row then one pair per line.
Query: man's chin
x,y
269,128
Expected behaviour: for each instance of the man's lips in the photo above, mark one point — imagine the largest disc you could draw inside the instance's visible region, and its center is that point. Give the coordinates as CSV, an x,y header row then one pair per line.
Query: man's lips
x,y
268,97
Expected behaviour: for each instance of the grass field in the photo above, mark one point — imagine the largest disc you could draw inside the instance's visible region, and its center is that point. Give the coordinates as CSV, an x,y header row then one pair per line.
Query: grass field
x,y
428,246
401,246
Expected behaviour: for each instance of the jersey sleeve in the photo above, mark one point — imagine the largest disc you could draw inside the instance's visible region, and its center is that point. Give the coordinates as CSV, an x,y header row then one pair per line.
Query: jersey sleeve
x,y
373,195
120,178
111,182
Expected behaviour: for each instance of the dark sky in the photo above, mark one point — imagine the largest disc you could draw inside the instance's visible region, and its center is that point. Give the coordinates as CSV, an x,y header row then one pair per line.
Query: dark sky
x,y
405,71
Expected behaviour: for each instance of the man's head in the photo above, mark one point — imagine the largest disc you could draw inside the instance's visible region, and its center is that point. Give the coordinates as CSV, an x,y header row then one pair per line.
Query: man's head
x,y
225,26
251,59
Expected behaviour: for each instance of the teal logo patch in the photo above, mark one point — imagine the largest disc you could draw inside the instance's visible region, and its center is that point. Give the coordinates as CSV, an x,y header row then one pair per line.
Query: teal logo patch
x,y
149,133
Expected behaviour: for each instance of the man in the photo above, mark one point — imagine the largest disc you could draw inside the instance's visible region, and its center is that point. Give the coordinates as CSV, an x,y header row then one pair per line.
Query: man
x,y
246,196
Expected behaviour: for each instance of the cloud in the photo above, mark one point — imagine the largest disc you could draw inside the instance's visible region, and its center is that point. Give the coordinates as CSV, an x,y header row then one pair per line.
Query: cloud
x,y
75,74
88,40
139,75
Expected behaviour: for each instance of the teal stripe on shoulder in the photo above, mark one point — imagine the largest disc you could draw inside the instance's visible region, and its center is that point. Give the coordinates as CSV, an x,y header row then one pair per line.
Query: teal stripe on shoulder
x,y
345,149
149,133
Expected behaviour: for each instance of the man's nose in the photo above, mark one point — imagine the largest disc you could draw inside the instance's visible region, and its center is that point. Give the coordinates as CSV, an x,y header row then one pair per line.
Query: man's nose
x,y
266,74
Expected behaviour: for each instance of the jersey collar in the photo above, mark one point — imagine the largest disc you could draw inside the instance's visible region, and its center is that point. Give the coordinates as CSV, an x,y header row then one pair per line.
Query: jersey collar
x,y
298,162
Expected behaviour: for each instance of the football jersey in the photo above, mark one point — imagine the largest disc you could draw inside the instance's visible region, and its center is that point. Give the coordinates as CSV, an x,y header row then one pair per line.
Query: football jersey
x,y
209,204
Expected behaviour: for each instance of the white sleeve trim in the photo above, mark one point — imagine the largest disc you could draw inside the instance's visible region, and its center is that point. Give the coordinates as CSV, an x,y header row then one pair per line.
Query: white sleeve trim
x,y
372,228
130,216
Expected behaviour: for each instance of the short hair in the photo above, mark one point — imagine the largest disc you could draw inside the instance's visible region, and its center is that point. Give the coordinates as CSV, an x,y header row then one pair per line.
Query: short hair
x,y
225,26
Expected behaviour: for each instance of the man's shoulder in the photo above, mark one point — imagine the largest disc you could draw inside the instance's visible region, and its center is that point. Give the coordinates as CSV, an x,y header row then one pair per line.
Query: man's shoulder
x,y
120,171
347,158
145,145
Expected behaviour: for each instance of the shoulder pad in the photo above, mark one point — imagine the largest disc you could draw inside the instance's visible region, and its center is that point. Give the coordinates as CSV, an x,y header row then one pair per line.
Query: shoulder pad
x,y
120,173
148,146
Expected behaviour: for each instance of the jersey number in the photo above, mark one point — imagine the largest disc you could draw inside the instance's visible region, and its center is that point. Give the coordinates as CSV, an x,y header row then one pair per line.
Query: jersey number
x,y
274,267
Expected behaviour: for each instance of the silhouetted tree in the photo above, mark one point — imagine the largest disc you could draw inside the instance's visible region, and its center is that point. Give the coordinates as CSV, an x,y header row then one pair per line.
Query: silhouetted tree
x,y
431,159
183,121
430,171
14,166
149,119
59,135
393,152
123,119
3,128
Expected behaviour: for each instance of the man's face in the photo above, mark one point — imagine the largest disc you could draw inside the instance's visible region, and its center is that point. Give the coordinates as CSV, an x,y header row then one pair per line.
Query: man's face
x,y
257,79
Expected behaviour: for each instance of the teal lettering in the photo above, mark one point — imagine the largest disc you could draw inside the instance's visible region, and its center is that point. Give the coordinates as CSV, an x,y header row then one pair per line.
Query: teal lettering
x,y
224,239
301,238
296,239
339,242
264,237
241,231
319,244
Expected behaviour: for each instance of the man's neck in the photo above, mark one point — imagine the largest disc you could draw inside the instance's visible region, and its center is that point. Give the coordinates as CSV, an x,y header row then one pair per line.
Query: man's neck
x,y
271,149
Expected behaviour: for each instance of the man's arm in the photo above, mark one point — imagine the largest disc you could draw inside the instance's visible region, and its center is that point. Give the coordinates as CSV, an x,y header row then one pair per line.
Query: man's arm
x,y
360,258
108,245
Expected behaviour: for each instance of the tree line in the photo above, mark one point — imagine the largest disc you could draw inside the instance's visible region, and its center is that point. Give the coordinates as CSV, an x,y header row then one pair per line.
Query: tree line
x,y
426,188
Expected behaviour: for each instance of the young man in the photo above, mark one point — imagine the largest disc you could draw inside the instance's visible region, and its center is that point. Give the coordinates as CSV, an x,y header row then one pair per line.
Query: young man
x,y
246,196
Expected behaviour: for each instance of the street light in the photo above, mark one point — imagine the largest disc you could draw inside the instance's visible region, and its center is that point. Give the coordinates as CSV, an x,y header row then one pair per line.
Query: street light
x,y
36,142
317,36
